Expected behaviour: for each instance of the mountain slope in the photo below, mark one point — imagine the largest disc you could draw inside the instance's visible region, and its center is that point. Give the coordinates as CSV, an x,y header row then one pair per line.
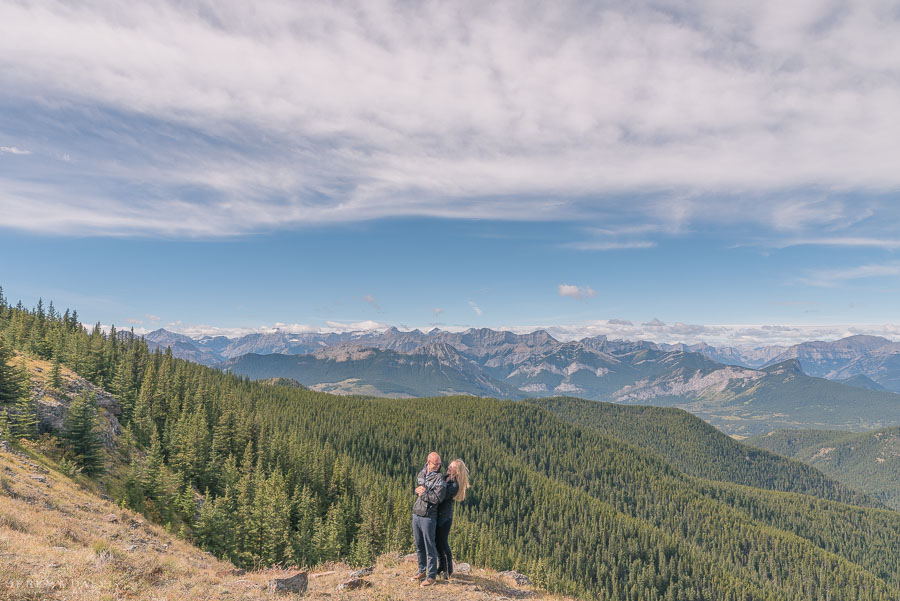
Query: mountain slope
x,y
787,397
291,472
698,449
867,461
435,369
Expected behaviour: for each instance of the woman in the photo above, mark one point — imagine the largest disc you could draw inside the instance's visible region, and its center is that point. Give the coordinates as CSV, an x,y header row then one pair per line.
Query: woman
x,y
457,482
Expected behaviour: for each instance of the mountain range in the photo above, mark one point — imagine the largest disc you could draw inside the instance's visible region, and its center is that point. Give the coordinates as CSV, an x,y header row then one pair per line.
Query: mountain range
x,y
847,384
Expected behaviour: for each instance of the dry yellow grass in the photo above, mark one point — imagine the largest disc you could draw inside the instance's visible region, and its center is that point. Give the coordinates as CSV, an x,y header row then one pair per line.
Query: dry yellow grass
x,y
60,541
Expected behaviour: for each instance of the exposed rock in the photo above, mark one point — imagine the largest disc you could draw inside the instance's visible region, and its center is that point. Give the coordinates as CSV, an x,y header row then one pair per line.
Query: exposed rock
x,y
111,518
411,557
362,572
353,584
462,568
52,406
231,572
519,579
294,584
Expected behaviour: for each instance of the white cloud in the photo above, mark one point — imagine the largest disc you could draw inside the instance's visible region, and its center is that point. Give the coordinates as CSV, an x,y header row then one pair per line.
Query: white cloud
x,y
599,245
286,114
152,317
654,323
833,277
476,308
885,243
741,335
356,326
134,321
619,322
576,292
13,150
437,311
372,301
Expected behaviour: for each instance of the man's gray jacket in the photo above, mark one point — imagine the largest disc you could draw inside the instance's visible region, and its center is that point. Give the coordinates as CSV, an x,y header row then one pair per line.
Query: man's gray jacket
x,y
427,503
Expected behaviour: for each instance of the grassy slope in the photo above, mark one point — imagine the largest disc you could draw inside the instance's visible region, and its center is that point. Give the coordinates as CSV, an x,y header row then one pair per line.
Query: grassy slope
x,y
60,540
867,461
698,449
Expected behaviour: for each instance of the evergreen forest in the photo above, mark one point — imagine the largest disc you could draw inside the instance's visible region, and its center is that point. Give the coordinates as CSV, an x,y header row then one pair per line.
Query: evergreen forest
x,y
265,474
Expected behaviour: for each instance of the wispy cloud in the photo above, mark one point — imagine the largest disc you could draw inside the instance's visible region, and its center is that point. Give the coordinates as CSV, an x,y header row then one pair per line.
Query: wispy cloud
x,y
152,317
833,277
476,308
372,301
437,311
849,241
600,245
376,109
13,150
576,292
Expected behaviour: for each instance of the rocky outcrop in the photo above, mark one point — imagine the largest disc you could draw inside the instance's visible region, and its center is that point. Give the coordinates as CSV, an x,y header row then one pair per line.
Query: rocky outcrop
x,y
53,405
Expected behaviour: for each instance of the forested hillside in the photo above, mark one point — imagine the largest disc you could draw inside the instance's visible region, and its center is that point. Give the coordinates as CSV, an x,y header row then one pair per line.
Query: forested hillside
x,y
698,449
291,475
867,461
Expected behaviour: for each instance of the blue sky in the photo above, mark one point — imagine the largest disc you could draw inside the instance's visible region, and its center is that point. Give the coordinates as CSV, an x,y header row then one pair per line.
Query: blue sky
x,y
687,173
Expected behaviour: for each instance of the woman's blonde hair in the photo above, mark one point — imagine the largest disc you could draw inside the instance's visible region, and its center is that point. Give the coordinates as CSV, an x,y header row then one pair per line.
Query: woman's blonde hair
x,y
462,478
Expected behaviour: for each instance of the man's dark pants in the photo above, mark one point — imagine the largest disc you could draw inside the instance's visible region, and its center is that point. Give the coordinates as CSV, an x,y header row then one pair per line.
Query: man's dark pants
x,y
423,532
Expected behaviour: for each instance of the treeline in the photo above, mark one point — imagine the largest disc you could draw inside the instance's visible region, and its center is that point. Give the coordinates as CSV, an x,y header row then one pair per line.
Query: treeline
x,y
284,475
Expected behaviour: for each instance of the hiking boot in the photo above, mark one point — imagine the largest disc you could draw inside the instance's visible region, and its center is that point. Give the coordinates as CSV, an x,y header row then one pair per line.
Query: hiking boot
x,y
427,582
419,576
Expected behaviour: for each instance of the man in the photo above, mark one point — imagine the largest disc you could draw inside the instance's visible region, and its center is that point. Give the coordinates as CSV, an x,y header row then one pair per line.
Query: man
x,y
429,494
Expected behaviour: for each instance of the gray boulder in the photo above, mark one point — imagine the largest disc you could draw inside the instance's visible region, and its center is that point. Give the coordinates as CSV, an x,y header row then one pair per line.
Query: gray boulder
x,y
294,584
353,584
519,579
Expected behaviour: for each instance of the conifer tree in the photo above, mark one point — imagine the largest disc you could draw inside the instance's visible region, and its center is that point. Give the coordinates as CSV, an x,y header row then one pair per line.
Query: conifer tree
x,y
55,378
81,434
151,477
22,416
12,385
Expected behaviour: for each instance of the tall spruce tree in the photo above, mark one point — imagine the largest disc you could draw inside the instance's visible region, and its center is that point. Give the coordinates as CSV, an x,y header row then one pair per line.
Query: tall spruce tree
x,y
81,434
55,377
22,415
12,385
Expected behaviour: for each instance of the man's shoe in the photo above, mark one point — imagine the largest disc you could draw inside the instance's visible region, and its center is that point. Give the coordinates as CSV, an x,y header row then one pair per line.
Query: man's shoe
x,y
419,576
427,582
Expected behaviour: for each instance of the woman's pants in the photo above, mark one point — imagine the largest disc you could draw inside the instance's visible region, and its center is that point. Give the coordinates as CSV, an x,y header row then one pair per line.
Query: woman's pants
x,y
441,541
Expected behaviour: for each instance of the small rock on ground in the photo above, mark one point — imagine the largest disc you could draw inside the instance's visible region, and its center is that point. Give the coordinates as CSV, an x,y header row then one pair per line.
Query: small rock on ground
x,y
362,572
294,584
353,584
520,579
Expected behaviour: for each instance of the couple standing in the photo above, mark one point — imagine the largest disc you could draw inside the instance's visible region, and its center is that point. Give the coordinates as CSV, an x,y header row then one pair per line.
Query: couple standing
x,y
433,515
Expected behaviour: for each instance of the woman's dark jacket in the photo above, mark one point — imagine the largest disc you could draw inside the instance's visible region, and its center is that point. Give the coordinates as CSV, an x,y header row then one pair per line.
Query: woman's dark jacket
x,y
445,509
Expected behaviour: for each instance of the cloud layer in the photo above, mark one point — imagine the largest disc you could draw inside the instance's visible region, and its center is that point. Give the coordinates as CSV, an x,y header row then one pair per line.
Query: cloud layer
x,y
747,335
209,119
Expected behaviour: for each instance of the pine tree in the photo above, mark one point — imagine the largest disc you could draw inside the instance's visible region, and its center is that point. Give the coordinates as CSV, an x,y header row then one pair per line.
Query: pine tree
x,y
81,434
56,380
12,385
22,416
